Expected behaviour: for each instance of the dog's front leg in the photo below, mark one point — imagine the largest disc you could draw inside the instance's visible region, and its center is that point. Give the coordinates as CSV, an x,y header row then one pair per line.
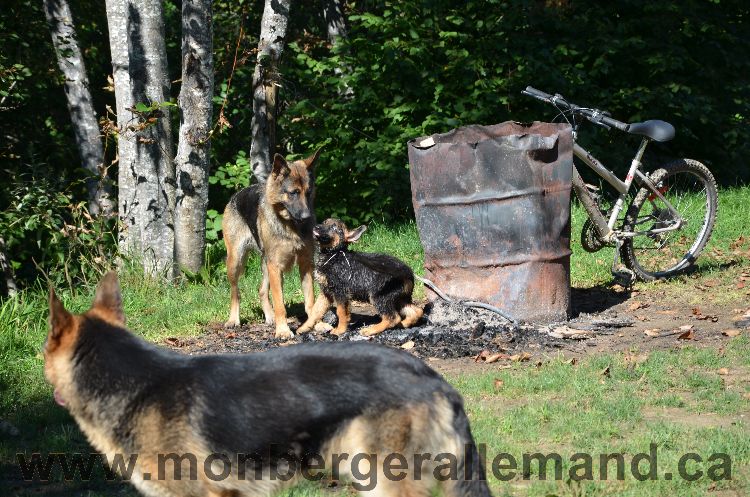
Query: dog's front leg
x,y
276,282
344,314
315,314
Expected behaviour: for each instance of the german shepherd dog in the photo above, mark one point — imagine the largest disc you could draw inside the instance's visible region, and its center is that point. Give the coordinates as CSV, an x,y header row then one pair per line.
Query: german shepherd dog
x,y
249,425
276,219
343,276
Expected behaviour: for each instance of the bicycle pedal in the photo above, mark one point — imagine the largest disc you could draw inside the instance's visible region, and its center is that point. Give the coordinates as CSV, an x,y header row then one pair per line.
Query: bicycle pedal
x,y
623,276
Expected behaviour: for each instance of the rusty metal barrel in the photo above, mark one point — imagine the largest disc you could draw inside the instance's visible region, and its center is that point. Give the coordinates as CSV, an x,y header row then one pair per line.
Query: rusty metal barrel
x,y
492,205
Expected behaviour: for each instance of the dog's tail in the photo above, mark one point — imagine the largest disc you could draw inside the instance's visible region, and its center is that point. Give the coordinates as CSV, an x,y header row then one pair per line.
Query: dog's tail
x,y
472,479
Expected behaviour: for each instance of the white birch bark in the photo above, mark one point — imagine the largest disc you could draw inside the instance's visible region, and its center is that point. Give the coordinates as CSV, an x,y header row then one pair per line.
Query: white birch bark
x,y
333,14
146,172
265,78
80,106
194,146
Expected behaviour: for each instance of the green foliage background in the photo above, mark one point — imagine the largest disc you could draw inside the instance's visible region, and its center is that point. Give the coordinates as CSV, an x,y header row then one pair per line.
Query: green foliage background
x,y
407,69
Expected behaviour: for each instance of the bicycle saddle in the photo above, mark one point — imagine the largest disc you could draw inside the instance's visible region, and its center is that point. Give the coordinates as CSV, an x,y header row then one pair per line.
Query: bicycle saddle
x,y
655,129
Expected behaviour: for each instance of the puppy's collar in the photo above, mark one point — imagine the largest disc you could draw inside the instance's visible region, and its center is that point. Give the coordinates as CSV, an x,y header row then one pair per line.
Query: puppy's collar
x,y
334,255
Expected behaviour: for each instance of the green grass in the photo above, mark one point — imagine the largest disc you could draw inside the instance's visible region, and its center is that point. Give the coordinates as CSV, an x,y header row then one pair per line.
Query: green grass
x,y
554,408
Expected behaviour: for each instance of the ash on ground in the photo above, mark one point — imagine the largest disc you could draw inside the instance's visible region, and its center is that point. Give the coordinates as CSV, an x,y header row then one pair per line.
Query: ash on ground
x,y
447,330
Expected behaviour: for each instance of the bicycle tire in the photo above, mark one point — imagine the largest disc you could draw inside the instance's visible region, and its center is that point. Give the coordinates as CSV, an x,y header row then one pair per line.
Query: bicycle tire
x,y
696,200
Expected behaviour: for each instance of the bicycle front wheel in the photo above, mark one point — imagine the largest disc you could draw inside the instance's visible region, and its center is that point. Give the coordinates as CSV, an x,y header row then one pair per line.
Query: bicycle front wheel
x,y
657,252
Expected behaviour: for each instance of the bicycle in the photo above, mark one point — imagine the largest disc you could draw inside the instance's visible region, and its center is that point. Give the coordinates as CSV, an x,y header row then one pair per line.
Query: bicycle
x,y
669,219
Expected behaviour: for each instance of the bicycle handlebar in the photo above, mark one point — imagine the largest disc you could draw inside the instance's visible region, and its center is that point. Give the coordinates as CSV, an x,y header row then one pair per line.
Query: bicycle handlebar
x,y
596,116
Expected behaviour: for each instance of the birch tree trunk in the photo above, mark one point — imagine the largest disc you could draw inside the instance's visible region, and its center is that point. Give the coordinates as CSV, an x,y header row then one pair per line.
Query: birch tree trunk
x,y
194,145
146,179
265,79
80,106
8,284
333,14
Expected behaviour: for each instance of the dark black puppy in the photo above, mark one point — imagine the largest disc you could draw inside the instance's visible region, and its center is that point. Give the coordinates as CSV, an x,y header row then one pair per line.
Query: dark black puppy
x,y
343,276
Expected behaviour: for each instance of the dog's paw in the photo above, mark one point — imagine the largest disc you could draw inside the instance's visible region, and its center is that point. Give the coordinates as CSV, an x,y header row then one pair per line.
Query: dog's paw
x,y
283,331
322,327
304,328
369,331
232,323
338,331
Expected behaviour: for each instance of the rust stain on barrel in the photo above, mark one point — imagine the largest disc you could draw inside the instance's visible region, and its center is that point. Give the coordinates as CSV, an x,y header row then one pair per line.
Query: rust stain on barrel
x,y
492,205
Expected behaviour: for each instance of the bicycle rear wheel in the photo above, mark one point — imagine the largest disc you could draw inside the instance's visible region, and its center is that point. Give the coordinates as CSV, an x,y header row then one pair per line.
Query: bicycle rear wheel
x,y
691,189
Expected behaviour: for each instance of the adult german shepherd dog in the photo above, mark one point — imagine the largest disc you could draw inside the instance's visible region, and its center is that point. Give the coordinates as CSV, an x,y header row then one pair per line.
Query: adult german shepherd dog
x,y
249,425
275,218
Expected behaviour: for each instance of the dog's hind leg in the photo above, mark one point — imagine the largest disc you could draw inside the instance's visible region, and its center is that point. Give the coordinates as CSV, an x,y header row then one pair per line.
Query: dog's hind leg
x,y
411,314
265,303
305,262
276,282
236,258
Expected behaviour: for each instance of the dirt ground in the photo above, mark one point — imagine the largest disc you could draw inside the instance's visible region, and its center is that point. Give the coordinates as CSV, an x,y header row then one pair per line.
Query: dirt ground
x,y
455,339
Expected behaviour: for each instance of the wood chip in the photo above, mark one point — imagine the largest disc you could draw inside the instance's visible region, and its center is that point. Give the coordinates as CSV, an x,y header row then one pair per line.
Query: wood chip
x,y
408,345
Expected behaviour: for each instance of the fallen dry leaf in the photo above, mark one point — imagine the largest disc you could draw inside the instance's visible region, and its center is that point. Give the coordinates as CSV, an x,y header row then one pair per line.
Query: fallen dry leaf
x,y
572,361
731,332
495,357
408,345
231,334
482,355
637,305
746,395
605,372
636,359
737,243
740,285
567,332
172,341
498,383
652,332
723,371
686,327
687,335
522,357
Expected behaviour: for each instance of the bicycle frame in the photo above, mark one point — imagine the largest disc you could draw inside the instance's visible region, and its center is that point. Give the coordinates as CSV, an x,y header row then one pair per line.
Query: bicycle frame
x,y
606,227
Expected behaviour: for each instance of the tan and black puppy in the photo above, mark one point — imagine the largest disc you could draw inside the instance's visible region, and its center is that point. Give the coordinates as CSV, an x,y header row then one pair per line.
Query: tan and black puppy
x,y
275,218
250,425
343,276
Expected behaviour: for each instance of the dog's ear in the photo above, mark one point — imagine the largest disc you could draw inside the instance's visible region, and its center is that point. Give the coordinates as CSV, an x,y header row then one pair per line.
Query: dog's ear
x,y
109,297
59,318
280,166
310,161
353,236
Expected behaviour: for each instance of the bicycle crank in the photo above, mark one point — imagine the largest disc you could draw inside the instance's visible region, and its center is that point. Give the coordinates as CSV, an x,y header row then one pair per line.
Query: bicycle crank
x,y
591,241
